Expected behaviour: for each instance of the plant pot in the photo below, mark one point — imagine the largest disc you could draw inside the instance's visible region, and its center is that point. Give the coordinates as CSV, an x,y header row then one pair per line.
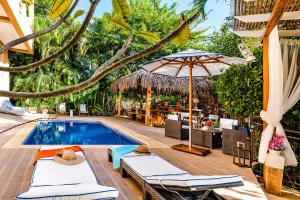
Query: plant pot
x,y
273,172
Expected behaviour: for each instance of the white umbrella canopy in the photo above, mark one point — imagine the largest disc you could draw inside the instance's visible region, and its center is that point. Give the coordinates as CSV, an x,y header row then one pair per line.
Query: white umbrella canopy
x,y
192,63
204,64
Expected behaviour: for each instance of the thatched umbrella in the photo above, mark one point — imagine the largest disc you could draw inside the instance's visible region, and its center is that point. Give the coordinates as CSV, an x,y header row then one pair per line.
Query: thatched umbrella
x,y
161,84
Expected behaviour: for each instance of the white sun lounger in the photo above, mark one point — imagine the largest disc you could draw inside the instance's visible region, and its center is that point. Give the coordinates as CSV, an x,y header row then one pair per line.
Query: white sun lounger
x,y
53,181
158,173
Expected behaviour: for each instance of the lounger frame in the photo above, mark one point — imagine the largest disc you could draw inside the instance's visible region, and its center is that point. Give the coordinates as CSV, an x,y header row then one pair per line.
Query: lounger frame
x,y
150,192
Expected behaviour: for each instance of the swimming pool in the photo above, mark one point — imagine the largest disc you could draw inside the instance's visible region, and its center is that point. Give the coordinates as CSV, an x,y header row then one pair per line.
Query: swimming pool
x,y
76,133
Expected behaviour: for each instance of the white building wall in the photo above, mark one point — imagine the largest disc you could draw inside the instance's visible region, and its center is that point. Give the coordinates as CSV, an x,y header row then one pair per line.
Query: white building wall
x,y
4,76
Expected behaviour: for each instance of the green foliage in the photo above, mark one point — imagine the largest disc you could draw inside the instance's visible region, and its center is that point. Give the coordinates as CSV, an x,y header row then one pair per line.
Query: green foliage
x,y
42,7
97,110
150,37
101,41
59,7
121,8
78,13
239,90
224,42
184,36
120,22
291,119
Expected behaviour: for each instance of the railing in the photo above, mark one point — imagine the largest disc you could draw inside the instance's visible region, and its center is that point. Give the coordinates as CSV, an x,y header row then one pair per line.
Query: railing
x,y
291,174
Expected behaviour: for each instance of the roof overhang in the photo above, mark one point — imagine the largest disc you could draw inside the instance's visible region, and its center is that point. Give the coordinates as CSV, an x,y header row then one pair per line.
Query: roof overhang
x,y
16,20
250,18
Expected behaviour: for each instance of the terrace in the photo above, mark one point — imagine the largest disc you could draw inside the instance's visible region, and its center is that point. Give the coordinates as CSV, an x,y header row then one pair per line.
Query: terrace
x,y
17,171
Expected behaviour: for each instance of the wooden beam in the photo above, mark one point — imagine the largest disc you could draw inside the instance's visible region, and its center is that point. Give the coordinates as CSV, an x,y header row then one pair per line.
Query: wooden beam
x,y
277,13
160,66
190,102
265,73
4,58
4,19
119,104
148,107
180,68
16,25
204,67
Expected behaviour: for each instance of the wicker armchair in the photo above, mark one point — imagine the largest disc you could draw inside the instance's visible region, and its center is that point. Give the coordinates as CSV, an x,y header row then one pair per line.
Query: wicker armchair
x,y
176,129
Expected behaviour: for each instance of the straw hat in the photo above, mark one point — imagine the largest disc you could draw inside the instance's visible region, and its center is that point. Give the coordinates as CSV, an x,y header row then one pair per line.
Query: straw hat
x,y
68,157
142,149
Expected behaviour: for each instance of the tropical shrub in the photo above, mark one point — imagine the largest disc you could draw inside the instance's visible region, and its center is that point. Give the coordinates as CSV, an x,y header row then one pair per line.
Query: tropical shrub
x,y
239,90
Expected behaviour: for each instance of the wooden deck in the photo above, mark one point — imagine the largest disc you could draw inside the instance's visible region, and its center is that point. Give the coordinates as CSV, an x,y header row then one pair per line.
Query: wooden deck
x,y
16,165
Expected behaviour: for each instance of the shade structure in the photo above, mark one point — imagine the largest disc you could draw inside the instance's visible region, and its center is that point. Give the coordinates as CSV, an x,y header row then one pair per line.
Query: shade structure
x,y
204,64
192,63
140,80
250,18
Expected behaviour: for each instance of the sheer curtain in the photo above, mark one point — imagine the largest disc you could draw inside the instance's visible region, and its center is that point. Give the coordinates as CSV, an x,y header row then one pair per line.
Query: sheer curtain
x,y
284,91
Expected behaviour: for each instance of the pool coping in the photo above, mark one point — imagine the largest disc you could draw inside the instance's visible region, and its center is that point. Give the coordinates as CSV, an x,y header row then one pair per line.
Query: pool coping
x,y
19,137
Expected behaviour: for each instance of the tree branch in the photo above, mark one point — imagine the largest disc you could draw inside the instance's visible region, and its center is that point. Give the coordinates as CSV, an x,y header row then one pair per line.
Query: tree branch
x,y
105,70
39,33
118,56
59,53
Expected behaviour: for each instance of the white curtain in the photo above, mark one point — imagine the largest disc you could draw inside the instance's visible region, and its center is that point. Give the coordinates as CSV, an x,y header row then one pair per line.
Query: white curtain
x,y
284,92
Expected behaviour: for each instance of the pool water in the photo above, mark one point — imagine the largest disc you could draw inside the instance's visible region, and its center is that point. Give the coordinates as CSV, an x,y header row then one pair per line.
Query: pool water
x,y
76,133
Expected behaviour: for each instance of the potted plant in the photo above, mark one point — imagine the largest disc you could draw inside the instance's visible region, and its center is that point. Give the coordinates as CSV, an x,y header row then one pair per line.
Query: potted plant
x,y
276,145
274,165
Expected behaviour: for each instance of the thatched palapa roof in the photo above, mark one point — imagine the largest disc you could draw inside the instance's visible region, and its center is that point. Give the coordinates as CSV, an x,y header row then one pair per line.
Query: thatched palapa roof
x,y
160,84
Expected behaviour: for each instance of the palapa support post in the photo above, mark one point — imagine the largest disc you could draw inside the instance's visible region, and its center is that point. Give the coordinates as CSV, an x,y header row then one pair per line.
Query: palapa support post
x,y
148,107
272,176
190,103
119,103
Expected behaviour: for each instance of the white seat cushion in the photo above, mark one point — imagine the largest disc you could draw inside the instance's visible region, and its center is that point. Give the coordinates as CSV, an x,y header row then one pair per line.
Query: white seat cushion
x,y
52,180
70,192
172,117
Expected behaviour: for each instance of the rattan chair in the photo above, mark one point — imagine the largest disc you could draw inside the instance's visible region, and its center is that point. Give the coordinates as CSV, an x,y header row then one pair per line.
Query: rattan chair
x,y
176,128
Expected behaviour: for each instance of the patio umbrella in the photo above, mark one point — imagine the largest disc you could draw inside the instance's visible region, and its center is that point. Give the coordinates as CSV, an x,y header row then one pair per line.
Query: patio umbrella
x,y
189,64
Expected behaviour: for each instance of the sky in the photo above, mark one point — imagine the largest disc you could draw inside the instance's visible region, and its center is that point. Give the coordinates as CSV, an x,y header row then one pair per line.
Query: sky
x,y
219,10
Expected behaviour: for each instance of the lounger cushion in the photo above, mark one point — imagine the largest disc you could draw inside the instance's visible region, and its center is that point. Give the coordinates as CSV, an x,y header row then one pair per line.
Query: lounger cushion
x,y
204,182
51,180
151,165
48,172
78,192
157,171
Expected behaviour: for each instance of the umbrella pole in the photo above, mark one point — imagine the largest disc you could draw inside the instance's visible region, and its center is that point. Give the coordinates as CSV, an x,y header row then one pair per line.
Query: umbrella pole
x,y
190,103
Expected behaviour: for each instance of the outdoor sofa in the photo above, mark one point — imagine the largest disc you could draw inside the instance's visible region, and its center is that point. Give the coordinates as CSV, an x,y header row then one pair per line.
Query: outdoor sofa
x,y
161,180
53,181
176,128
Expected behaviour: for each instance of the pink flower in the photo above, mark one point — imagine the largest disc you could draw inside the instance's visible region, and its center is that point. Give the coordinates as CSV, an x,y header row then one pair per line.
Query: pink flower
x,y
277,143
